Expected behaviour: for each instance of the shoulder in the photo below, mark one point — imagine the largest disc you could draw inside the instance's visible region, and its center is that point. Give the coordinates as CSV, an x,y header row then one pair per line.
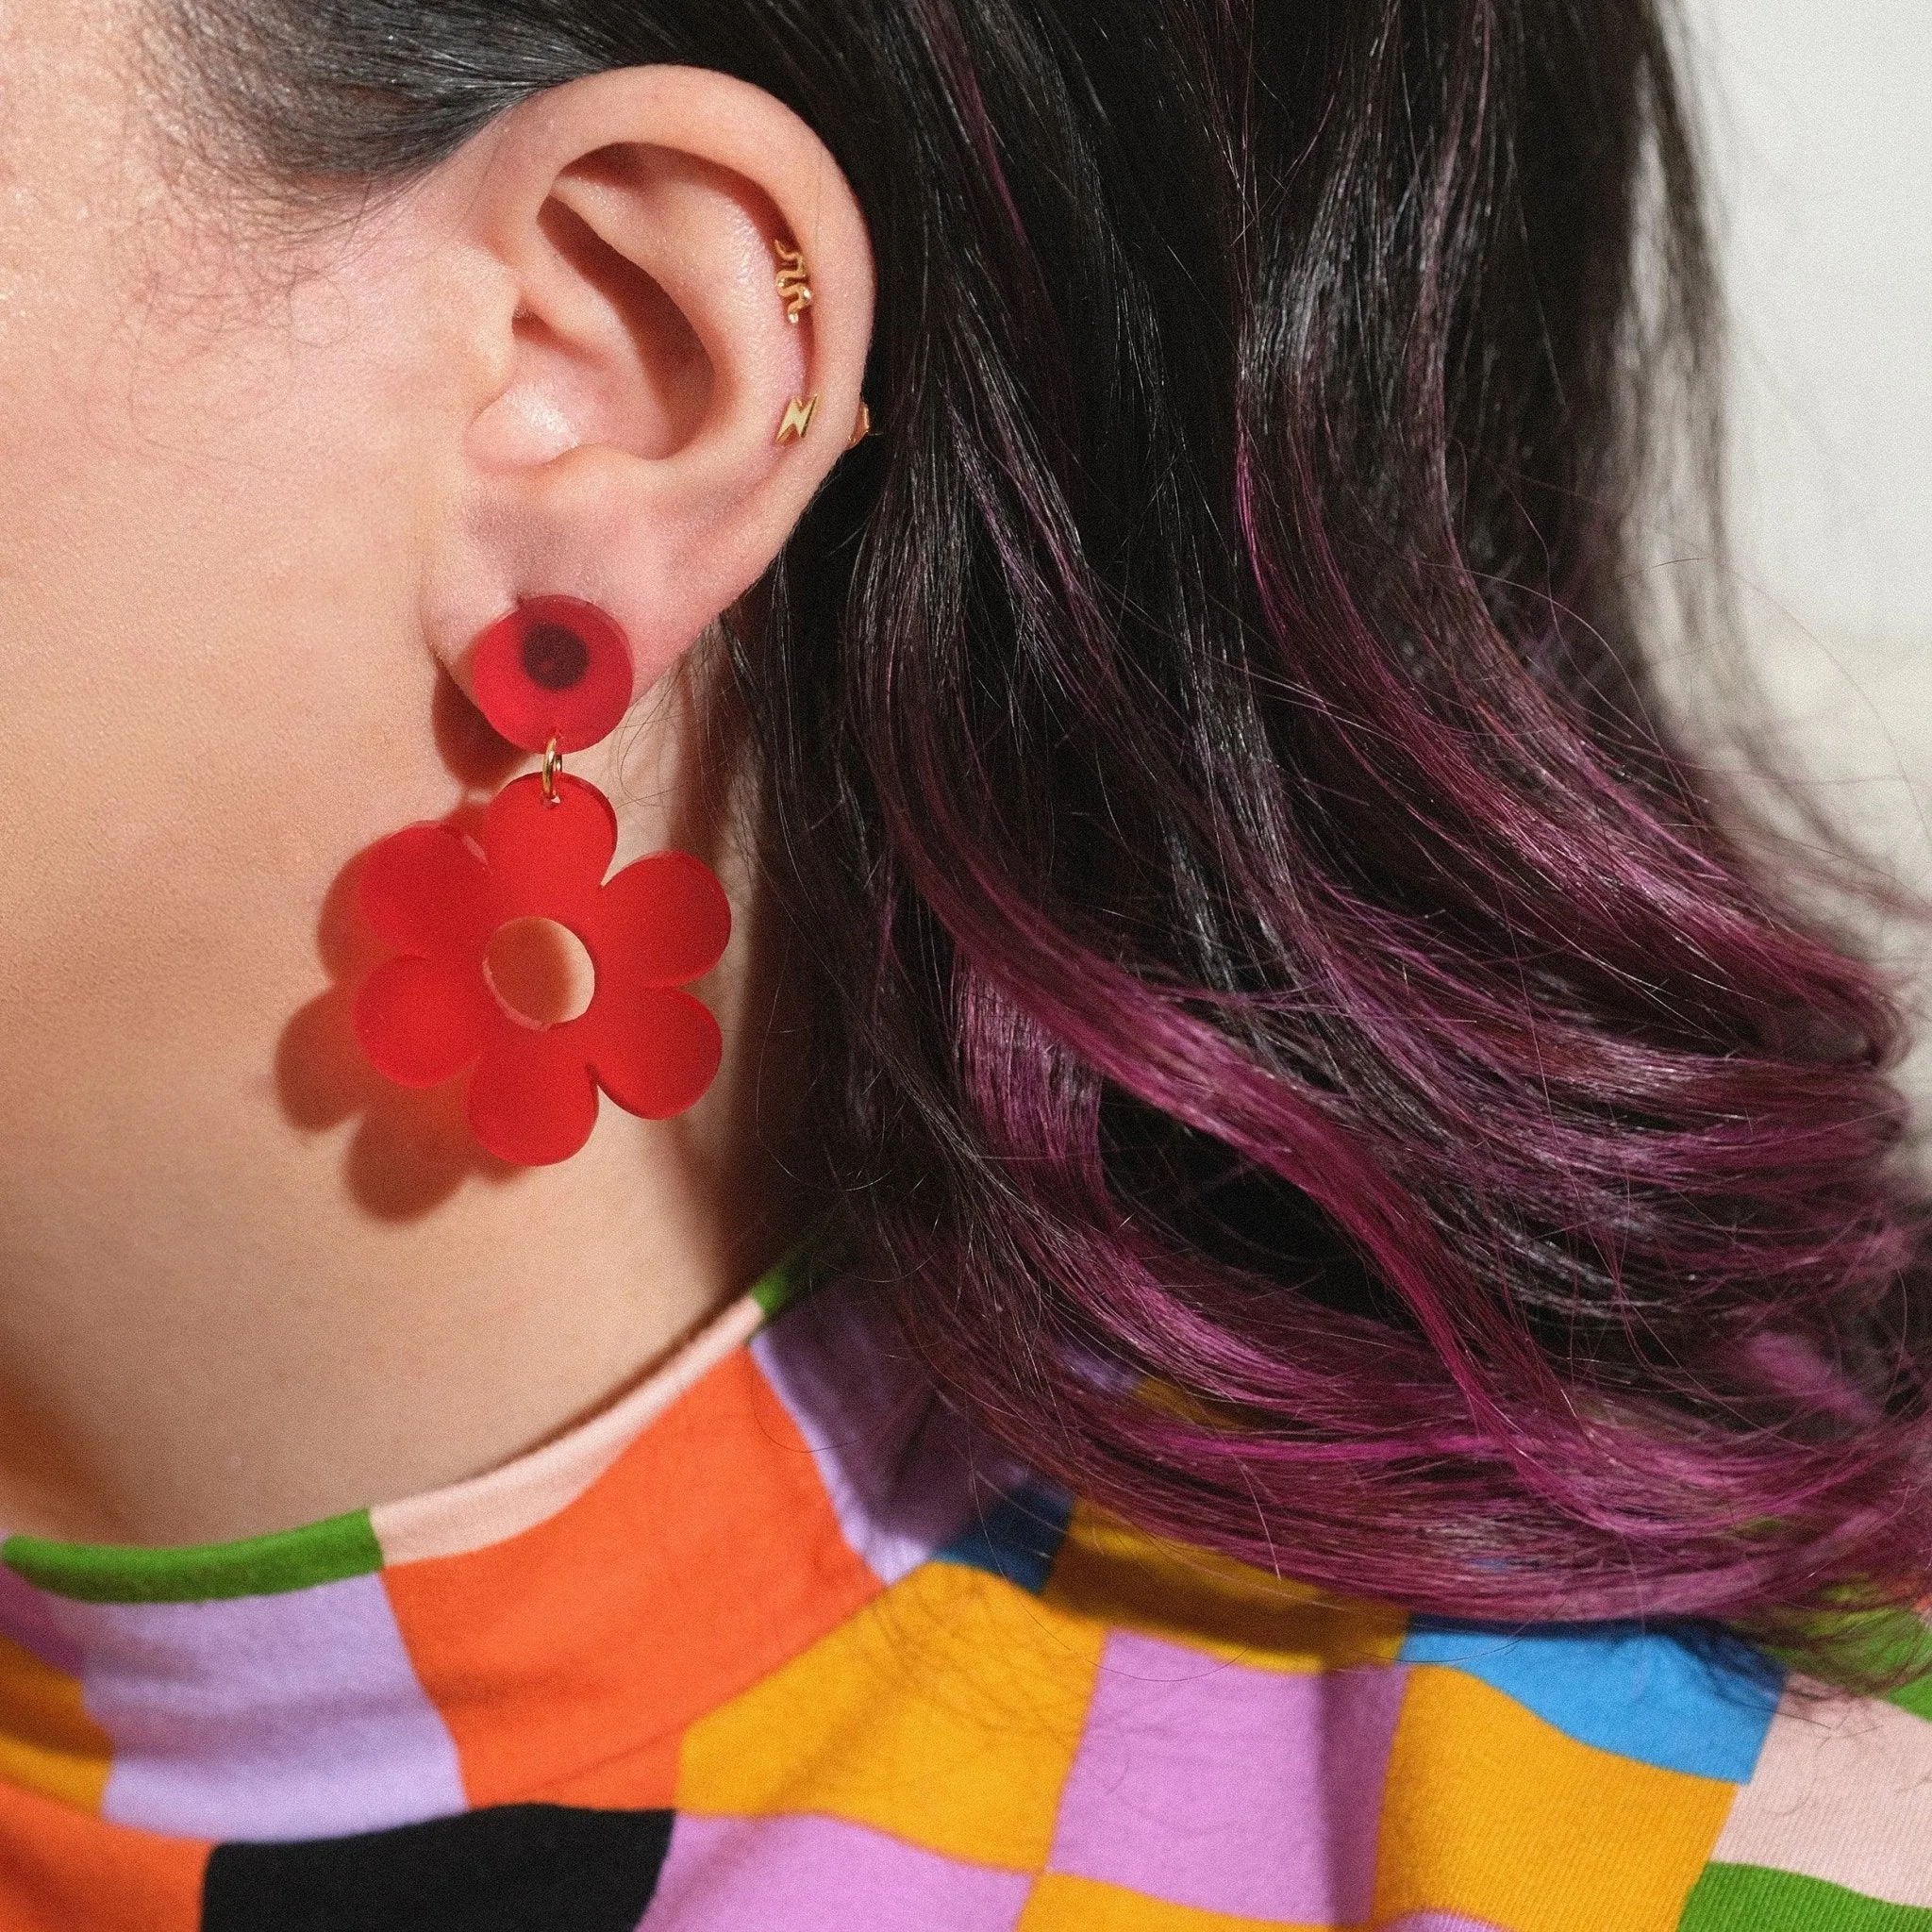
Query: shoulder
x,y
1097,1729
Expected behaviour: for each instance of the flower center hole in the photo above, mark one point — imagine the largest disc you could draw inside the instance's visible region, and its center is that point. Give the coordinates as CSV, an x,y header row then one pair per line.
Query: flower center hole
x,y
539,972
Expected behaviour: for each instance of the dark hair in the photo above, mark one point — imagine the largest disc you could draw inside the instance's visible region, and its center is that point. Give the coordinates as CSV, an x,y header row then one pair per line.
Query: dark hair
x,y
1293,1040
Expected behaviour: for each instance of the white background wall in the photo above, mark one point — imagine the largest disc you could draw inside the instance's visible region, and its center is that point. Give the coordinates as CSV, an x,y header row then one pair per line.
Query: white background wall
x,y
1821,112
1820,117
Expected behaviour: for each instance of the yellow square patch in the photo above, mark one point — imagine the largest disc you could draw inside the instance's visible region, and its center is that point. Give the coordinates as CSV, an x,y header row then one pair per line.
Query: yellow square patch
x,y
1489,1812
947,1712
48,1743
1212,1603
1084,1904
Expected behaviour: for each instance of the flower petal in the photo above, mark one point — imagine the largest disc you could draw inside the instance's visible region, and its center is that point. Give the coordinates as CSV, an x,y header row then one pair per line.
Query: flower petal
x,y
532,1100
546,861
422,1022
660,922
426,892
654,1052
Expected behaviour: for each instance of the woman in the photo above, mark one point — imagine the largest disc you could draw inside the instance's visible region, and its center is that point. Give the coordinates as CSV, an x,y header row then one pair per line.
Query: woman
x,y
1264,1243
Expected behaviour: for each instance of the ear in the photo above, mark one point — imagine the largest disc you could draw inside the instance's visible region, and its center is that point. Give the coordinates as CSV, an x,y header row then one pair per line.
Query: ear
x,y
635,358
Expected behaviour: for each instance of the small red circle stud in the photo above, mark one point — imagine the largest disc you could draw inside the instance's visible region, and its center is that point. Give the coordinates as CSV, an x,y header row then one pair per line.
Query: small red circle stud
x,y
555,668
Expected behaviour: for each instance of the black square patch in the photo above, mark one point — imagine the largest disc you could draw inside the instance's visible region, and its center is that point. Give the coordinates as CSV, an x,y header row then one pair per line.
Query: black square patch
x,y
512,1868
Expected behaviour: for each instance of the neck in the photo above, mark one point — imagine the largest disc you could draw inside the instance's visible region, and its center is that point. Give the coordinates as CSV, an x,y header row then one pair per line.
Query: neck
x,y
245,1286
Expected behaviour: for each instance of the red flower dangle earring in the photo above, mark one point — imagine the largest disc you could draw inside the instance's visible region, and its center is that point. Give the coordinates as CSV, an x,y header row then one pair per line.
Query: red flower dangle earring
x,y
552,677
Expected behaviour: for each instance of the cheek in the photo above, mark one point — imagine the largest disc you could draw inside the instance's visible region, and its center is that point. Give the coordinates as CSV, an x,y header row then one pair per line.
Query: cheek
x,y
210,674
180,632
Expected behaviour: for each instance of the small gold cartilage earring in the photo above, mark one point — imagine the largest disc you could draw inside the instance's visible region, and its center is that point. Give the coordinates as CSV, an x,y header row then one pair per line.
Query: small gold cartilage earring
x,y
861,428
797,418
795,282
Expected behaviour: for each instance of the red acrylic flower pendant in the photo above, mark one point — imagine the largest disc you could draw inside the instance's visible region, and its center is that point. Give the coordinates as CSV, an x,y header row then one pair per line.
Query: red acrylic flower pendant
x,y
554,676
440,897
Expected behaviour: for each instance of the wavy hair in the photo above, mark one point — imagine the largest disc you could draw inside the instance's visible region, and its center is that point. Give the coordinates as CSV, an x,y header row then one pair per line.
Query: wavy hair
x,y
1295,1040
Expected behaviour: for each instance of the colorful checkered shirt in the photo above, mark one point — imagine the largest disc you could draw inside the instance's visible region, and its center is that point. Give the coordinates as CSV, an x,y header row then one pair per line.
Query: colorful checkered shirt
x,y
771,1645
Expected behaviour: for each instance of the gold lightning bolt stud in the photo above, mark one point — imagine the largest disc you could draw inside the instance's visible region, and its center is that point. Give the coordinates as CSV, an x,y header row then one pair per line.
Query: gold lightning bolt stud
x,y
797,418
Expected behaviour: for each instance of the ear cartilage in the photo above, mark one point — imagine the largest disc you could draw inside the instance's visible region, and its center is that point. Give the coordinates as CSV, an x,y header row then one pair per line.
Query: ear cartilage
x,y
797,418
795,282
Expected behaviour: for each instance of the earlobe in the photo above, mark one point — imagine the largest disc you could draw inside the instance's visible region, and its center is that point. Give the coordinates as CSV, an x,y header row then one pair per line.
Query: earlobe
x,y
678,362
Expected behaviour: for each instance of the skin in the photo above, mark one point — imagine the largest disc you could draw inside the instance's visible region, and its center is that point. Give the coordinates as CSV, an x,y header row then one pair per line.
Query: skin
x,y
264,482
